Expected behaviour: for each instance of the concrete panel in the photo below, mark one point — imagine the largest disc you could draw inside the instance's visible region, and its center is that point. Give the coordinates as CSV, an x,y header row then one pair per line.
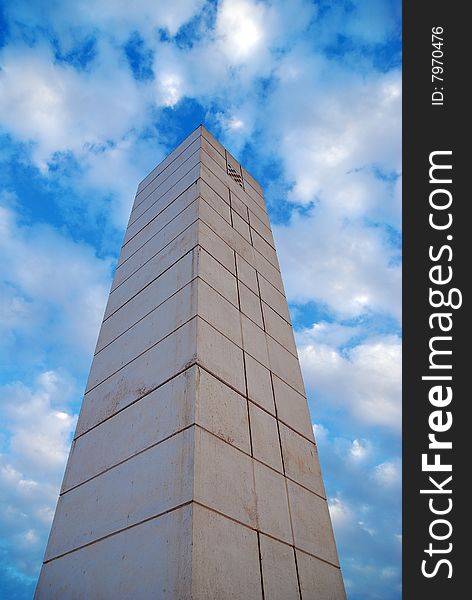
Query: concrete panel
x,y
213,141
272,504
279,571
220,356
285,365
158,415
155,244
148,299
267,270
224,478
253,206
264,248
250,305
148,561
182,244
219,312
227,233
216,275
274,298
161,322
241,226
247,274
213,153
254,341
264,231
279,329
240,208
144,486
170,158
214,182
144,374
253,183
259,386
311,523
319,580
222,411
292,408
155,190
265,437
167,172
215,246
155,225
225,562
188,181
221,205
301,460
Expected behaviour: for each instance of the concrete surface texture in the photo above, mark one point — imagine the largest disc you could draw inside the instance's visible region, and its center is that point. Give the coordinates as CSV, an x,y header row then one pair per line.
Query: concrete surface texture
x,y
194,473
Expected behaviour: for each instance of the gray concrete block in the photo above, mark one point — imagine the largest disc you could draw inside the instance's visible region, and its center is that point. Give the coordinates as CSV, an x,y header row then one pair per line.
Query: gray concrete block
x,y
155,190
311,523
145,562
265,437
161,202
259,386
274,298
142,487
247,274
241,226
318,579
225,563
224,478
156,244
218,203
148,272
254,341
148,299
215,246
196,133
221,410
292,408
158,415
272,504
301,460
151,329
218,276
279,571
279,329
285,365
220,356
250,305
218,312
155,225
172,355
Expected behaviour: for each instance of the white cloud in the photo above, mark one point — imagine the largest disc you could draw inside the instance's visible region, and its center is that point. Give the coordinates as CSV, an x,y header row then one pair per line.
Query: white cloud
x,y
39,423
55,288
343,264
388,474
364,380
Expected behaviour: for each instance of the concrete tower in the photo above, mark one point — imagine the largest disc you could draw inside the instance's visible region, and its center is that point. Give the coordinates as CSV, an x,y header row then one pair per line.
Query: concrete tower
x,y
193,473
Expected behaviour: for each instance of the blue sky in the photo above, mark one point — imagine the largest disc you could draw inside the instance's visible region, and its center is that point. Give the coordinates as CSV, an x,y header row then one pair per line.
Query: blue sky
x,y
307,95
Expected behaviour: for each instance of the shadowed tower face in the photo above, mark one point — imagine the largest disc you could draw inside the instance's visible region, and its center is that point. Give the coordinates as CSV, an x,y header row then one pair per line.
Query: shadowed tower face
x,y
193,473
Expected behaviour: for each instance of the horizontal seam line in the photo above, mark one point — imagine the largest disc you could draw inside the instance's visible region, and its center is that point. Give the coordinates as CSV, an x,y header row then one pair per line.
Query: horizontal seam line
x,y
157,215
222,514
159,197
162,170
127,459
188,366
153,280
165,179
154,256
104,537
